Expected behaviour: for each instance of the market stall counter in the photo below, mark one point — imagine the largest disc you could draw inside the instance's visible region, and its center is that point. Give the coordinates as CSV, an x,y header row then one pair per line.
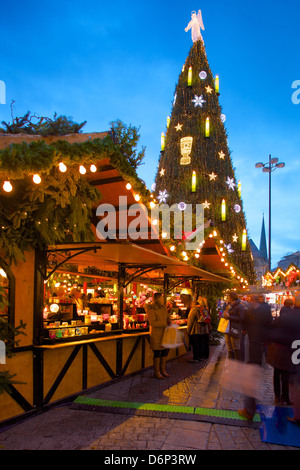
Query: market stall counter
x,y
86,363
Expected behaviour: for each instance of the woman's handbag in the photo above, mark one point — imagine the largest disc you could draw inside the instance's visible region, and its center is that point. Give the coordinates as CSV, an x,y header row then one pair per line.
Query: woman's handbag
x,y
235,332
223,325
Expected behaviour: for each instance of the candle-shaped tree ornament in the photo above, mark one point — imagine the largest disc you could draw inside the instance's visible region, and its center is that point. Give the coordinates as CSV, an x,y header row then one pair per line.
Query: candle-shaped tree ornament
x,y
168,122
239,188
194,182
190,76
217,84
223,210
244,240
207,127
162,142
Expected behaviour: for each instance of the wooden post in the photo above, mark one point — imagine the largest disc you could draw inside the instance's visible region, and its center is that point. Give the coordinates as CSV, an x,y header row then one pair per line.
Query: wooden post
x,y
121,284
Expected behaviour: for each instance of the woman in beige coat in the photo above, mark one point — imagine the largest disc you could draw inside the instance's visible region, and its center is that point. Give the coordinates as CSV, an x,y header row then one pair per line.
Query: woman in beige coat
x,y
159,319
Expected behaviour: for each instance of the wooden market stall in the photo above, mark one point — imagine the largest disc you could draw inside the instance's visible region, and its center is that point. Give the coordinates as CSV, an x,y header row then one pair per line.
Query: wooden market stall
x,y
48,372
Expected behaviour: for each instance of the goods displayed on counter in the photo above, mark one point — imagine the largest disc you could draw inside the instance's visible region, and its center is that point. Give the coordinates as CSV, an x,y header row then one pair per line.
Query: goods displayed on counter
x,y
177,311
68,316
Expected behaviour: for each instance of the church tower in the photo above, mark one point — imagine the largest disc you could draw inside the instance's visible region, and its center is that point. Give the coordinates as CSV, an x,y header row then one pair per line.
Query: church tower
x,y
263,241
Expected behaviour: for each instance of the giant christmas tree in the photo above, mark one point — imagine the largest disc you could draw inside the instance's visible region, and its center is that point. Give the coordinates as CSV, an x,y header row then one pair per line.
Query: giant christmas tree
x,y
195,165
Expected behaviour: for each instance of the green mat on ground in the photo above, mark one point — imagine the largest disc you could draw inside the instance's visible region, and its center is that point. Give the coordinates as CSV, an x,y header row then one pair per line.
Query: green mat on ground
x,y
189,411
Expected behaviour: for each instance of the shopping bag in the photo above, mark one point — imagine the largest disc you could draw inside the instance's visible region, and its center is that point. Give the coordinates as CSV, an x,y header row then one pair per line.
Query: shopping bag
x,y
172,337
223,324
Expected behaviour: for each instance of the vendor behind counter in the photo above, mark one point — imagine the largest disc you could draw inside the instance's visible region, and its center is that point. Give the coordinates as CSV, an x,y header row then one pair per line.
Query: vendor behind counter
x,y
57,313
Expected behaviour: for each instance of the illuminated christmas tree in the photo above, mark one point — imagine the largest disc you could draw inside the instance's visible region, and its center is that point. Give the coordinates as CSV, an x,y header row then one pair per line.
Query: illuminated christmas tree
x,y
195,165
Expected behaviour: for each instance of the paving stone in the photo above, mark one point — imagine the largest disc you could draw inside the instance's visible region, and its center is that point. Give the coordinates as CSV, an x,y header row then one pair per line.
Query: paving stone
x,y
195,385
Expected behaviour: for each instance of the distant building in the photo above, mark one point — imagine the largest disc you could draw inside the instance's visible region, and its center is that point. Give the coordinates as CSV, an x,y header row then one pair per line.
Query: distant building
x,y
260,256
286,261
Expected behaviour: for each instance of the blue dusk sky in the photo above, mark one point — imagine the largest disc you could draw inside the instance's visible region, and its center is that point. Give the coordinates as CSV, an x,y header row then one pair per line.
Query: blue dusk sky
x,y
101,61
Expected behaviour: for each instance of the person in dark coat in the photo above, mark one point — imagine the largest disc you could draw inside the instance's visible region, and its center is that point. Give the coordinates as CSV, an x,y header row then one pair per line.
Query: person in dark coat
x,y
257,322
287,336
295,378
287,307
280,355
198,329
235,313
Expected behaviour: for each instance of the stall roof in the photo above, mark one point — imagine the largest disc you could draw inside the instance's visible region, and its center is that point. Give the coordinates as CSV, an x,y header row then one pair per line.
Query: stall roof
x,y
210,257
112,185
108,256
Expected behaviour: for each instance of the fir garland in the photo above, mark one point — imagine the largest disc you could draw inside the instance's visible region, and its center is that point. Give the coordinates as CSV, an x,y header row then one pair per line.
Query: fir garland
x,y
59,209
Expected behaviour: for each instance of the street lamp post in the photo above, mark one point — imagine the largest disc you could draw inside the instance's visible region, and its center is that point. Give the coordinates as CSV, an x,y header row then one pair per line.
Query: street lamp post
x,y
269,167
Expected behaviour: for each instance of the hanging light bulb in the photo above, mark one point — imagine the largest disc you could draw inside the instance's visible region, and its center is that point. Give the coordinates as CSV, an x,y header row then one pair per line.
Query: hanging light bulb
x,y
244,240
62,167
190,76
82,170
137,197
128,186
7,186
194,182
207,127
172,248
93,168
223,210
36,179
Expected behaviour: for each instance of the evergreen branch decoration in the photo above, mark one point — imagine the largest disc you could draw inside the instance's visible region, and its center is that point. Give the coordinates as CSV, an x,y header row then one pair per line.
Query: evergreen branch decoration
x,y
59,125
59,209
127,137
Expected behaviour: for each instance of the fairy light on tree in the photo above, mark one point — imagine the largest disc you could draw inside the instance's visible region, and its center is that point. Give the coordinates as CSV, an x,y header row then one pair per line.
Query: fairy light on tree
x,y
198,137
7,186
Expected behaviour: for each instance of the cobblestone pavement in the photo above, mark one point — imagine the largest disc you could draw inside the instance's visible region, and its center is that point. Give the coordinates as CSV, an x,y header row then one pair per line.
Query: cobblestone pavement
x,y
199,384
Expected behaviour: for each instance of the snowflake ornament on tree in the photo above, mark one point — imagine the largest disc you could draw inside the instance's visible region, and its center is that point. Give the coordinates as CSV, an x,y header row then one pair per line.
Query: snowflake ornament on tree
x,y
229,249
231,183
163,195
198,100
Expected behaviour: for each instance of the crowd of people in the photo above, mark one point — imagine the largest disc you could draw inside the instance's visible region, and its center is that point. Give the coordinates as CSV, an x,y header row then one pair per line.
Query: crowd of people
x,y
252,336
267,339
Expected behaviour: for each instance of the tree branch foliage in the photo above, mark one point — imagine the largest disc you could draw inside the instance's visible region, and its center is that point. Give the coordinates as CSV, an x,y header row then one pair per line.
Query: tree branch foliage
x,y
126,138
40,125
